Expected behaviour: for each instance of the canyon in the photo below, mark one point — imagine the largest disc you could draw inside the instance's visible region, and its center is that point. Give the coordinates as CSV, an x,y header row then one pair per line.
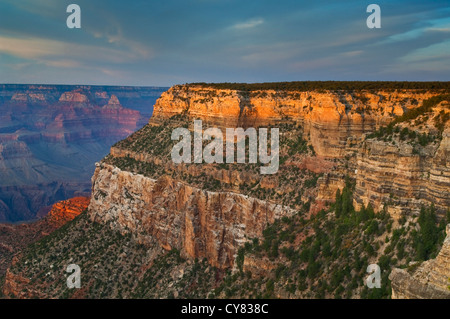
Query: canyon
x,y
51,136
356,150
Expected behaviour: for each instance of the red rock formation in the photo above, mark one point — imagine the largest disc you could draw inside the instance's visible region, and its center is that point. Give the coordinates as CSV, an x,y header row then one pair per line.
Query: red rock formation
x,y
334,123
113,103
66,210
75,96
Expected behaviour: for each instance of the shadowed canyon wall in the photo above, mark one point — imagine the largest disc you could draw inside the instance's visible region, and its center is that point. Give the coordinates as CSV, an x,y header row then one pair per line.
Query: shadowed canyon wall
x,y
51,136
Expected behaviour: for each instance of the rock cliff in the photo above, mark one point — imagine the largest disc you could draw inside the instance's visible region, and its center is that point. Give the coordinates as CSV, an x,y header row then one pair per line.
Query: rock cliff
x,y
430,280
137,188
407,169
329,117
66,210
336,123
201,224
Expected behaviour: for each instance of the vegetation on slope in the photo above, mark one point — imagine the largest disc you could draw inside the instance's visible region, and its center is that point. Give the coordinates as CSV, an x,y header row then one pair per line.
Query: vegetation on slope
x,y
426,107
326,256
293,148
323,256
419,127
113,265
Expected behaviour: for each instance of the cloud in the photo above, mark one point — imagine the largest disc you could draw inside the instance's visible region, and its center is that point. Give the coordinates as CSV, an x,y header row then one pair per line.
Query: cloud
x,y
30,48
64,64
42,7
436,52
43,49
175,41
248,24
119,39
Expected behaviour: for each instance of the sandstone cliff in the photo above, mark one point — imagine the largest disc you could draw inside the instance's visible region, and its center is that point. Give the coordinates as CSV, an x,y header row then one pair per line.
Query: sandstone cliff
x,y
406,170
336,124
66,210
201,224
431,280
329,118
138,189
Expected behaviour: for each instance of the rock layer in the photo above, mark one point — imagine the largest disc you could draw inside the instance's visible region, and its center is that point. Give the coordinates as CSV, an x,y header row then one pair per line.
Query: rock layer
x,y
66,210
403,179
201,224
335,123
329,117
431,280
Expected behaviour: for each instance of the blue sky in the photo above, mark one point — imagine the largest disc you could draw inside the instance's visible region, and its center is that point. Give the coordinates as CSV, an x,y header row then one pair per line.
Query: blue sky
x,y
166,42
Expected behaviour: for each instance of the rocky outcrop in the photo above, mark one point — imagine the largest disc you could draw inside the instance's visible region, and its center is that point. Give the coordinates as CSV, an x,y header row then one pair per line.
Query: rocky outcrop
x,y
76,97
29,98
404,175
66,210
336,124
201,224
180,215
431,280
113,103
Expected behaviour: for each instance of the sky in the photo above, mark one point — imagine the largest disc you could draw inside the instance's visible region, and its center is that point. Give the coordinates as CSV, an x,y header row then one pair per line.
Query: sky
x,y
167,42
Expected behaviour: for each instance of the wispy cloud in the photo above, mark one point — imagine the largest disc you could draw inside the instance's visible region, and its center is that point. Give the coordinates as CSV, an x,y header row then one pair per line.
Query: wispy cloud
x,y
144,42
248,24
43,49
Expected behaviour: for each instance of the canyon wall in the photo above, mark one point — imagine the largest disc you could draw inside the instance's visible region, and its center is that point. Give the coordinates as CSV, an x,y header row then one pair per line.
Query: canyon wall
x,y
431,279
336,124
199,223
212,224
403,178
329,118
211,210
